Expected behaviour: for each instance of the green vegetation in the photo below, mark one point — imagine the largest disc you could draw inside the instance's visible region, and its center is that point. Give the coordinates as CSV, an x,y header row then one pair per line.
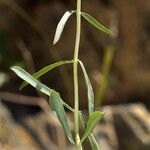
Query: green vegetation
x,y
56,103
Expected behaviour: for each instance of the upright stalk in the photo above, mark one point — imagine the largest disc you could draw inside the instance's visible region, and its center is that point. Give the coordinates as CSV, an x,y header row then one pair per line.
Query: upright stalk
x,y
75,74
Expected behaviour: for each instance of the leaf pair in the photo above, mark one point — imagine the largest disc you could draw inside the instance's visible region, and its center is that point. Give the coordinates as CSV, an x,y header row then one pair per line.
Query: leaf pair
x,y
89,18
45,89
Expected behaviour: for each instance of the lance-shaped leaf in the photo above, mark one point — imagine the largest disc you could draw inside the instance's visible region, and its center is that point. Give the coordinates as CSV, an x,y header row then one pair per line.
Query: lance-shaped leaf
x,y
31,80
93,142
90,93
61,25
58,108
55,100
94,118
44,70
95,23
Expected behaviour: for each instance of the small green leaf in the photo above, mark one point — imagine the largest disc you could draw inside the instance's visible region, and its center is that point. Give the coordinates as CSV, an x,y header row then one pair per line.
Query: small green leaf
x,y
61,25
95,23
94,118
45,70
58,108
93,142
90,93
31,80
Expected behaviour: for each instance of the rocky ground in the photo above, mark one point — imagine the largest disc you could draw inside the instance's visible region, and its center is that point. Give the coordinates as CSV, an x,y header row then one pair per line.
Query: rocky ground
x,y
125,127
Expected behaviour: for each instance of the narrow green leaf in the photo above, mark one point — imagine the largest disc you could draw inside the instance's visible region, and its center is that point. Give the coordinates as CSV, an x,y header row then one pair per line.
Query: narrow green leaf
x,y
61,25
90,93
93,142
95,23
31,80
94,118
45,70
58,108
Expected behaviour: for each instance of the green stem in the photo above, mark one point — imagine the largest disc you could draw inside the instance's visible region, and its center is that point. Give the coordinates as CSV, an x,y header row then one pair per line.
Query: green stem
x,y
75,74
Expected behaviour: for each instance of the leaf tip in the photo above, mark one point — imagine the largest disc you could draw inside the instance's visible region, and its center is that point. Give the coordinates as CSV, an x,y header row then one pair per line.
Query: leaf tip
x,y
10,68
13,68
55,41
108,31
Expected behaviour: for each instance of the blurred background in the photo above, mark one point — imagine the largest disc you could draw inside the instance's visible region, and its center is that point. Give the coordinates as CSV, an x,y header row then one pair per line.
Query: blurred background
x,y
118,67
